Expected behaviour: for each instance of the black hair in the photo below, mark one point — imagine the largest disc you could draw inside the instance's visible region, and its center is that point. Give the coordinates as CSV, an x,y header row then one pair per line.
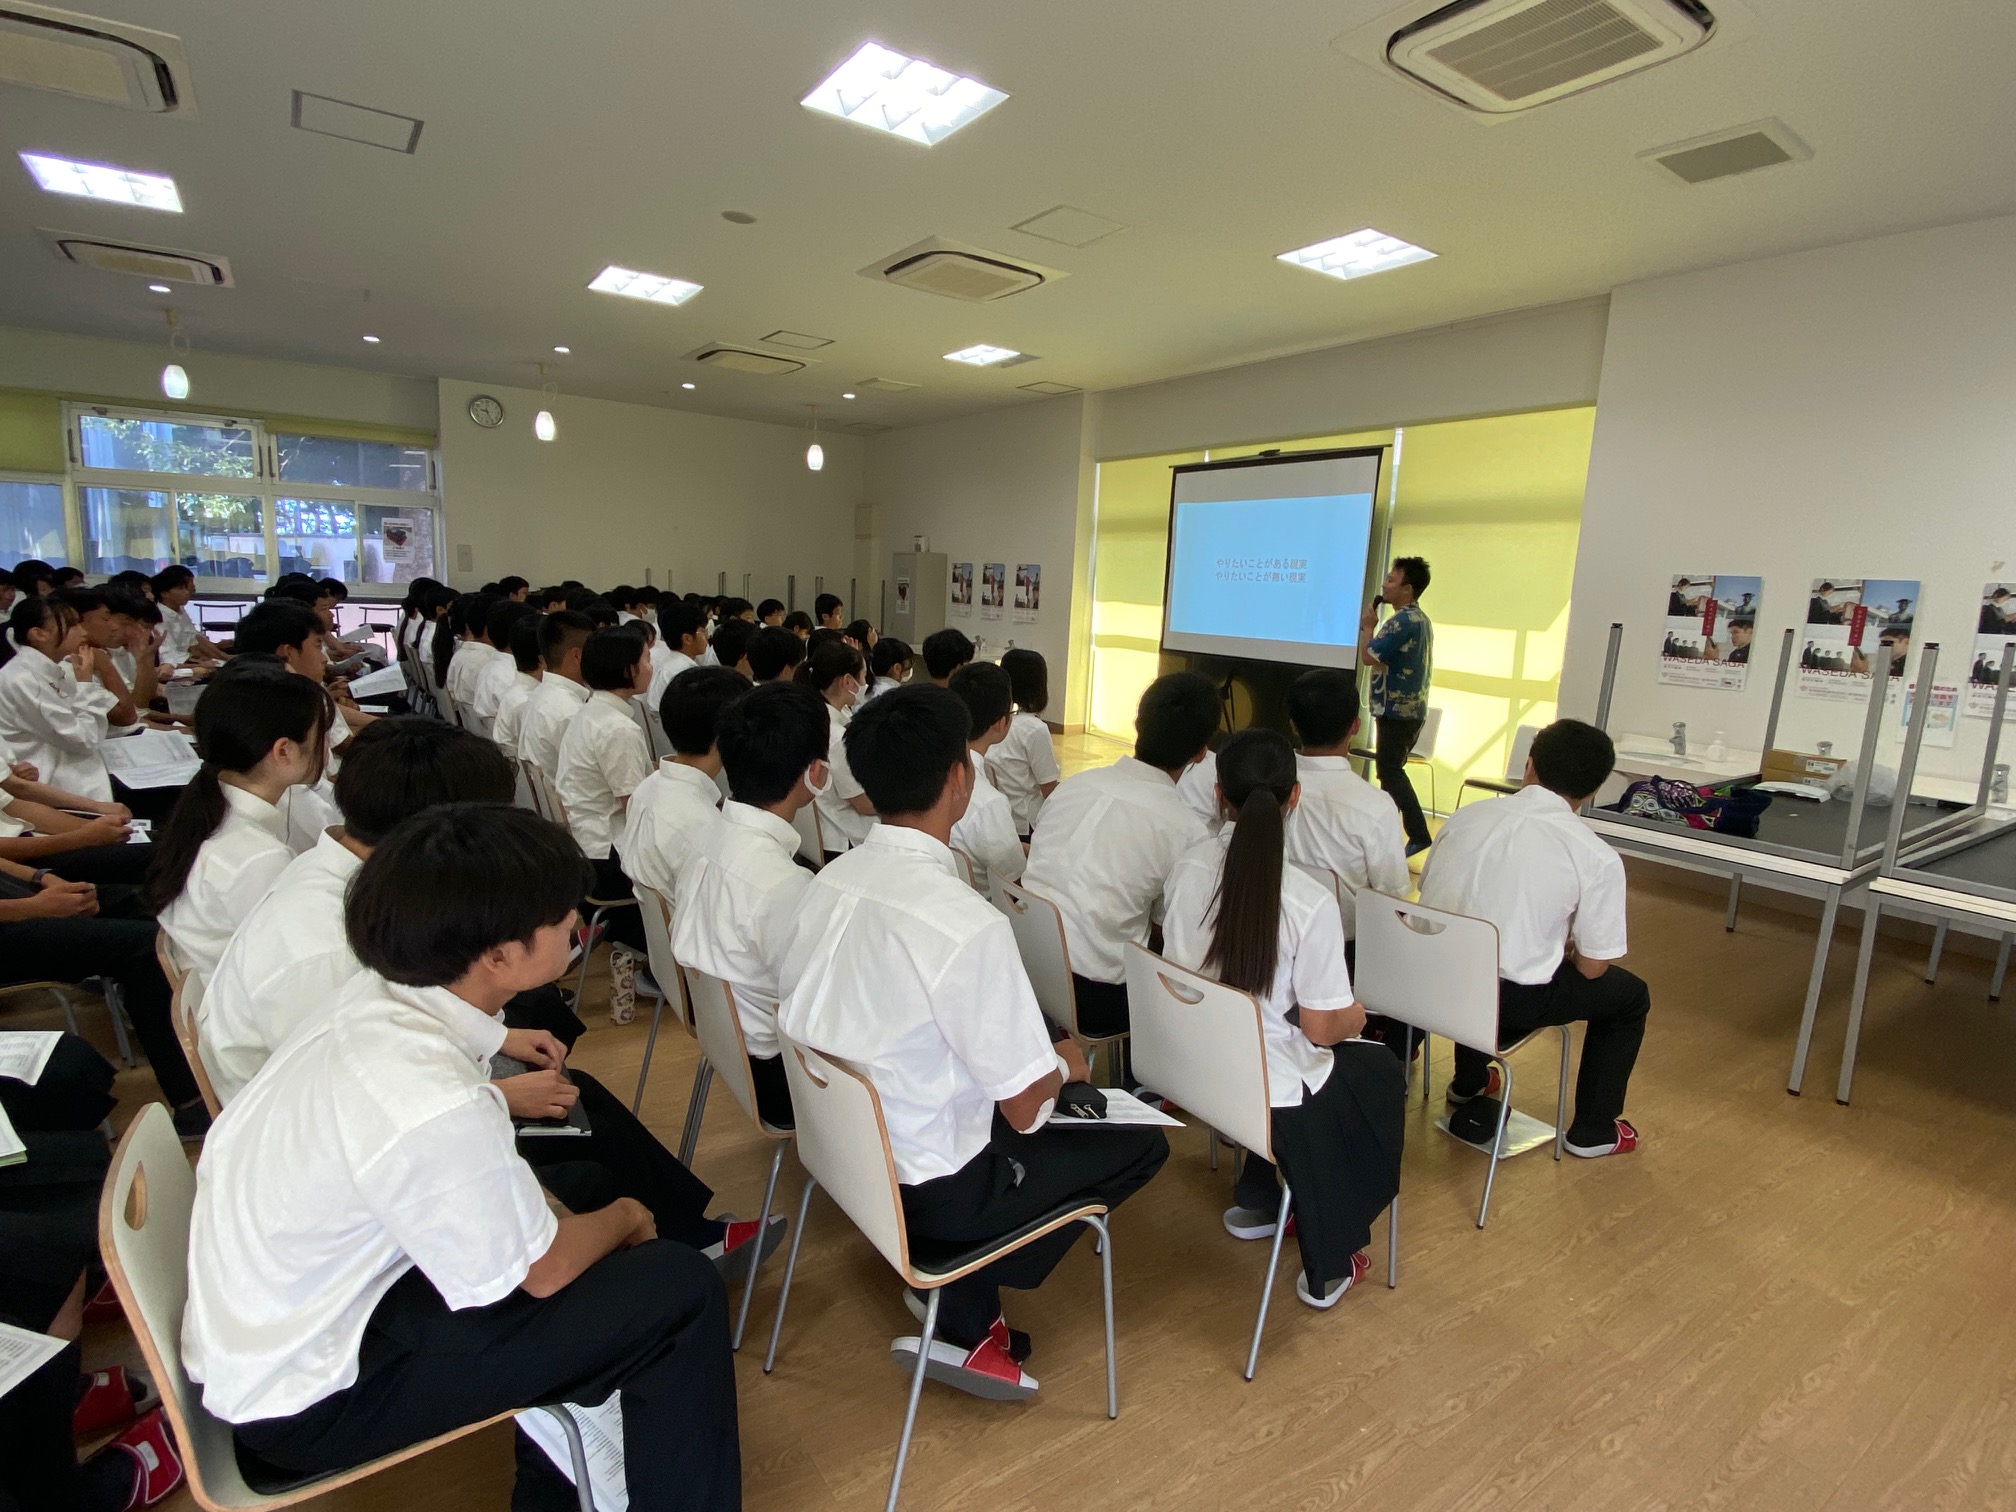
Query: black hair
x,y
946,651
269,626
167,580
33,612
64,577
1030,676
1256,769
503,615
334,588
250,703
731,640
554,595
491,590
860,632
768,607
132,578
691,706
735,608
1322,706
561,631
623,596
769,738
123,601
472,614
601,613
825,665
988,695
524,640
451,884
1175,720
82,600
510,585
1415,570
904,745
827,603
649,595
1572,759
678,619
822,636
34,570
303,591
395,768
798,620
889,654
609,660
772,652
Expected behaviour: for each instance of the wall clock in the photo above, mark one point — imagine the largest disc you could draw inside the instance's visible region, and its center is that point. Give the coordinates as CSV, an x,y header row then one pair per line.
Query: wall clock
x,y
486,411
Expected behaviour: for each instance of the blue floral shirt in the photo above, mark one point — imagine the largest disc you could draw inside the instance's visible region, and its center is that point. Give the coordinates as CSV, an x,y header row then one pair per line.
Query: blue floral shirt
x,y
1404,645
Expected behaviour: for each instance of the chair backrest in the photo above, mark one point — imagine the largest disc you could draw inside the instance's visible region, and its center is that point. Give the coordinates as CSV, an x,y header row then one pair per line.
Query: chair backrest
x,y
656,911
1039,936
844,1143
1522,747
1200,1044
1347,903
718,1027
656,742
973,871
173,965
184,1009
1431,726
449,706
482,724
811,834
535,787
1435,970
548,795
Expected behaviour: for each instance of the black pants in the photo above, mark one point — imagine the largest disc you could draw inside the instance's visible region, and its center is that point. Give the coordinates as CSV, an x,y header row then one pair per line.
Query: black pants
x,y
1393,745
1613,1006
773,1091
1341,1149
621,1158
74,1091
1015,1180
1102,1006
626,925
104,864
651,1321
545,1008
147,803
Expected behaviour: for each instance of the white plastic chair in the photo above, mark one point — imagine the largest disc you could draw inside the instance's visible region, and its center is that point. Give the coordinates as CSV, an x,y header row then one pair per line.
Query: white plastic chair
x,y
665,973
1202,1045
1438,972
143,1235
657,744
1515,767
717,1024
843,1144
811,834
552,807
1046,957
183,1010
449,707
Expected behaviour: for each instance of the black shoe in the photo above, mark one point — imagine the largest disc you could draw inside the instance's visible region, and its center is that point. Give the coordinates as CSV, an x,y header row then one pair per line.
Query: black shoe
x,y
192,1122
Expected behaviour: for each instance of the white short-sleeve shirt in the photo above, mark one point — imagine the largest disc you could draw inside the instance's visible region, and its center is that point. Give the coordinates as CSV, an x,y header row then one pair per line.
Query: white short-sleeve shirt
x,y
897,966
49,720
669,811
1528,864
1198,788
1309,971
547,715
491,681
1346,825
602,759
1025,759
373,1142
243,857
468,658
1105,845
511,710
667,662
987,833
738,893
841,823
178,635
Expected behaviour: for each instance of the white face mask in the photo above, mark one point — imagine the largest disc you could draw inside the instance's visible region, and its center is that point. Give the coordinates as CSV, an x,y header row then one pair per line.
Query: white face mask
x,y
825,781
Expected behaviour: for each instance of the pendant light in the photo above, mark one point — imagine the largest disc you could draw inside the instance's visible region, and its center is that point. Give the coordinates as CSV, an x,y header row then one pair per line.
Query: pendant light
x,y
174,378
815,454
543,425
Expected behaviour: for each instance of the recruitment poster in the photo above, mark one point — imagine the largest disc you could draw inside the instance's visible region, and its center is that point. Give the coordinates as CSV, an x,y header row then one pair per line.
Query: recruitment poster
x,y
1710,622
1028,591
1995,629
962,589
1853,625
993,589
396,541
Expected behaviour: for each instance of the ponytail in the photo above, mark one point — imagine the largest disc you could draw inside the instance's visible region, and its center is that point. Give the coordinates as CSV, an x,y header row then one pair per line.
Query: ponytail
x,y
32,612
827,664
1256,770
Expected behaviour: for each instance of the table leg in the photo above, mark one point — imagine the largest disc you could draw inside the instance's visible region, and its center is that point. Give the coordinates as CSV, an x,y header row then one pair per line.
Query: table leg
x,y
1735,899
1872,913
2001,969
1829,912
1938,949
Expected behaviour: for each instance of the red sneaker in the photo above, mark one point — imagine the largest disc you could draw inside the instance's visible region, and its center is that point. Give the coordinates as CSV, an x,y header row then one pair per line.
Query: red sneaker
x,y
112,1399
1334,1293
150,1450
1494,1083
986,1370
1625,1142
738,1234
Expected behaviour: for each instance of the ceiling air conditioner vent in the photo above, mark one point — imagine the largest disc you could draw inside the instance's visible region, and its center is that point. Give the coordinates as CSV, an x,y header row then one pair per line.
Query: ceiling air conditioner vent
x,y
93,59
1724,154
157,264
741,359
938,266
886,386
1501,56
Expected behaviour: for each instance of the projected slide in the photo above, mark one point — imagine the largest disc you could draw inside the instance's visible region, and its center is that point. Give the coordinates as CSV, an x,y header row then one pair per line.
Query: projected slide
x,y
1269,561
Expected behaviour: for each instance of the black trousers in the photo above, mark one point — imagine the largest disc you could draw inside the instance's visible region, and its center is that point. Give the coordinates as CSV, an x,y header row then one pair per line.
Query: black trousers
x,y
1015,1180
773,1091
1393,744
104,864
147,803
651,1321
626,925
1613,1006
621,1158
1341,1150
74,1091
1102,1006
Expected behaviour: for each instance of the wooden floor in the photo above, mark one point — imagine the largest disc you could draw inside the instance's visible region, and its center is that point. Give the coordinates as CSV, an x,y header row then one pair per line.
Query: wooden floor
x,y
1776,1304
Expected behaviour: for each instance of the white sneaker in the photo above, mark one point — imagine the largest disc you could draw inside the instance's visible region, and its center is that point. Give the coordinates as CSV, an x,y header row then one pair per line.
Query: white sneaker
x,y
1334,1293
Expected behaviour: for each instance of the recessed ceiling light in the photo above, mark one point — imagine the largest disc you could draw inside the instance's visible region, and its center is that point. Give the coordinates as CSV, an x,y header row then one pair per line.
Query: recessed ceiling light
x,y
563,351
982,355
688,385
846,396
157,289
372,339
903,96
102,181
1354,256
652,286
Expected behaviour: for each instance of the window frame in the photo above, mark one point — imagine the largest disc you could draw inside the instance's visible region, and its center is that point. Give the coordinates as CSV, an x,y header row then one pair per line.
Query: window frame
x,y
62,485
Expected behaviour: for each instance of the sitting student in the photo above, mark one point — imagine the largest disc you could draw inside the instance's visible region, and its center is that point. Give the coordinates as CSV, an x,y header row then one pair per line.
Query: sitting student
x,y
799,623
293,633
1024,765
517,699
1198,786
35,578
1343,825
35,832
474,654
8,592
741,884
413,612
986,832
427,1285
833,671
830,610
1238,912
451,648
682,630
181,642
46,718
1109,837
515,588
548,712
623,598
261,731
730,645
738,608
860,634
673,805
774,655
437,610
1556,893
771,612
945,652
648,600
496,677
347,658
888,666
124,692
66,577
895,965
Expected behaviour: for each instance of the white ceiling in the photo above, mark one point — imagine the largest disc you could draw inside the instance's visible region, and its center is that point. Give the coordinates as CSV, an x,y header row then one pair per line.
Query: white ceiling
x,y
562,137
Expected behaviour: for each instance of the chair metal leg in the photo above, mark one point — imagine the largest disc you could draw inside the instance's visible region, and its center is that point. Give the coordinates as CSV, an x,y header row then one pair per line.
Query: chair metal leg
x,y
1561,1100
1872,914
790,1269
1938,949
1393,1243
650,1044
1427,1059
1212,1134
1498,1143
584,1488
1735,901
115,1009
1267,1286
1098,1226
1830,911
916,1389
587,955
756,1246
696,1112
2001,969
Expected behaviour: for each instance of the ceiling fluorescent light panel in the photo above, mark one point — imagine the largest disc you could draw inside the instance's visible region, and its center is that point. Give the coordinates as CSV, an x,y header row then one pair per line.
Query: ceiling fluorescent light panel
x,y
103,181
1356,255
901,95
652,286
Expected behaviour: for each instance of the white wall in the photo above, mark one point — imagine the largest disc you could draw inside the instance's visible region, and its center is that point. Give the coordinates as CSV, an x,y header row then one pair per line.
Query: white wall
x,y
628,487
51,360
1848,411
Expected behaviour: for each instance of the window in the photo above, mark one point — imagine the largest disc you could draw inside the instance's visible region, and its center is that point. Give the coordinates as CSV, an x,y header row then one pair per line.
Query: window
x,y
122,443
317,537
353,464
31,522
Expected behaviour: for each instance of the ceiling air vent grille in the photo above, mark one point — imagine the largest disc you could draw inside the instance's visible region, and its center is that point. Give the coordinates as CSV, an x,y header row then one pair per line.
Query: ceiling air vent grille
x,y
157,264
740,359
1506,55
93,59
955,271
886,386
1724,154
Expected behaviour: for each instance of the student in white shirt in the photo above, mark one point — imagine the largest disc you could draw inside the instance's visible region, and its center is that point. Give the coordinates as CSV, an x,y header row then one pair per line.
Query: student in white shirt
x,y
425,1284
261,730
678,801
1556,893
457,657
549,711
898,967
830,611
682,632
499,674
1024,765
1343,824
436,608
109,620
517,698
729,646
413,612
740,888
1108,838
945,652
475,656
986,831
46,718
888,666
774,655
1198,788
833,671
1238,911
182,643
